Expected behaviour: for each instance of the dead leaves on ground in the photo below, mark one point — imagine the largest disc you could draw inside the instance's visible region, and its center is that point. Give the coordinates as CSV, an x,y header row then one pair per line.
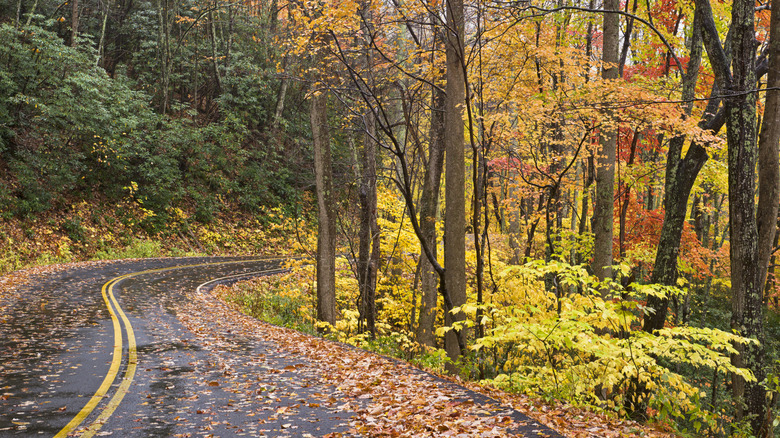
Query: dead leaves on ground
x,y
395,399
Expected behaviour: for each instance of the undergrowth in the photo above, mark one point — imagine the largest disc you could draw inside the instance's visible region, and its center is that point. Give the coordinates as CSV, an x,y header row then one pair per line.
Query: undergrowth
x,y
579,346
273,299
100,231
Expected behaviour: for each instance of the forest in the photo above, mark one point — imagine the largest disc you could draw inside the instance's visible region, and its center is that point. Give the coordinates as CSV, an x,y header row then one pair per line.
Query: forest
x,y
572,199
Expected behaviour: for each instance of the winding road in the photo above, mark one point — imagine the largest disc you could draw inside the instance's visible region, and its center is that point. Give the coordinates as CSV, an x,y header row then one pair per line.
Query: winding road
x,y
139,349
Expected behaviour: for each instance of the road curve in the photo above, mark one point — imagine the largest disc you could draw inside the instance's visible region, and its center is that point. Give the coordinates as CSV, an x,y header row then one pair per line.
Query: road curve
x,y
137,349
100,351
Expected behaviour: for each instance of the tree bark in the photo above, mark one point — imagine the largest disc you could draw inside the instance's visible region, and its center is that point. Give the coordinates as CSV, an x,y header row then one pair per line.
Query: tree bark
x,y
74,22
748,256
164,49
326,231
768,166
102,43
766,218
680,176
455,175
625,197
280,97
603,212
18,14
31,13
368,247
214,58
429,206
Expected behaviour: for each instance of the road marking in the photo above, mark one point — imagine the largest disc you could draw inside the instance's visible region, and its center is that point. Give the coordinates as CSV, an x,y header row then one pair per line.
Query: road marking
x,y
248,275
107,292
112,371
132,362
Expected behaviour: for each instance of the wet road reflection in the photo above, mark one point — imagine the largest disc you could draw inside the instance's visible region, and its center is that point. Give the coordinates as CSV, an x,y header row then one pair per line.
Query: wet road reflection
x,y
57,341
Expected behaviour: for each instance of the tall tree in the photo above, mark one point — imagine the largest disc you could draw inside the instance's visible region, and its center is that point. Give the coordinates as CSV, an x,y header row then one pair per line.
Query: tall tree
x,y
455,173
681,173
749,258
368,248
429,206
603,212
326,232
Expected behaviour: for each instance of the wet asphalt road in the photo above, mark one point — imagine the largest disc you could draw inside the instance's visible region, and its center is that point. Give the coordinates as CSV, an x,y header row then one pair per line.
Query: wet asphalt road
x,y
57,344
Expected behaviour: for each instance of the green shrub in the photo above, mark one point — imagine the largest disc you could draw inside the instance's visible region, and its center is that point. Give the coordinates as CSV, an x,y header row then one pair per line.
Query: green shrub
x,y
137,249
271,305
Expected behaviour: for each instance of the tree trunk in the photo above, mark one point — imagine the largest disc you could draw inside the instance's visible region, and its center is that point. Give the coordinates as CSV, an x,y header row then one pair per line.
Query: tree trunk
x,y
368,247
101,45
280,97
680,176
768,166
766,218
31,13
748,256
326,231
74,22
429,206
455,175
588,177
625,197
603,212
513,223
164,49
214,58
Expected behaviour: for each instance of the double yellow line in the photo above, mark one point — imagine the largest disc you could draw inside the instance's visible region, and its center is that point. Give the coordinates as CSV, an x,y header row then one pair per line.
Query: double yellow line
x,y
132,361
108,297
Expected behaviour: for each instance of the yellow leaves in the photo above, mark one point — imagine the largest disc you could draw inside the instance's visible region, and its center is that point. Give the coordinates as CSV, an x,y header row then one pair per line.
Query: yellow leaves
x,y
441,331
181,19
590,349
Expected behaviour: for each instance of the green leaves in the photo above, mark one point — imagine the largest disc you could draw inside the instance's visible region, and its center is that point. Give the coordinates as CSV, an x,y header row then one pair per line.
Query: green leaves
x,y
583,342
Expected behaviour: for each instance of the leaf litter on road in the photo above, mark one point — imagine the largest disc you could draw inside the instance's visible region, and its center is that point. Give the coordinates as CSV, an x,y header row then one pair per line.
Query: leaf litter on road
x,y
404,401
385,397
369,394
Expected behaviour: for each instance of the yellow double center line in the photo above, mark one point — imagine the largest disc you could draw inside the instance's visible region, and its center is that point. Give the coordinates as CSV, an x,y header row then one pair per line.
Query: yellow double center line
x,y
132,361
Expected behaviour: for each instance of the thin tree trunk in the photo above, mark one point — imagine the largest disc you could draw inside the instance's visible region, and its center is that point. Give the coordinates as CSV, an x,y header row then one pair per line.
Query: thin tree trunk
x,y
627,39
281,96
681,173
18,14
429,206
101,45
214,58
368,247
514,223
603,213
74,22
574,196
194,81
625,194
588,177
163,13
326,234
31,13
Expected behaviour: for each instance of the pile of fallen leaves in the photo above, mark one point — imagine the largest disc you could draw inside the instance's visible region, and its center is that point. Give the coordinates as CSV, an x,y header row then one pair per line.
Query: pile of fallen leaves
x,y
569,420
393,398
